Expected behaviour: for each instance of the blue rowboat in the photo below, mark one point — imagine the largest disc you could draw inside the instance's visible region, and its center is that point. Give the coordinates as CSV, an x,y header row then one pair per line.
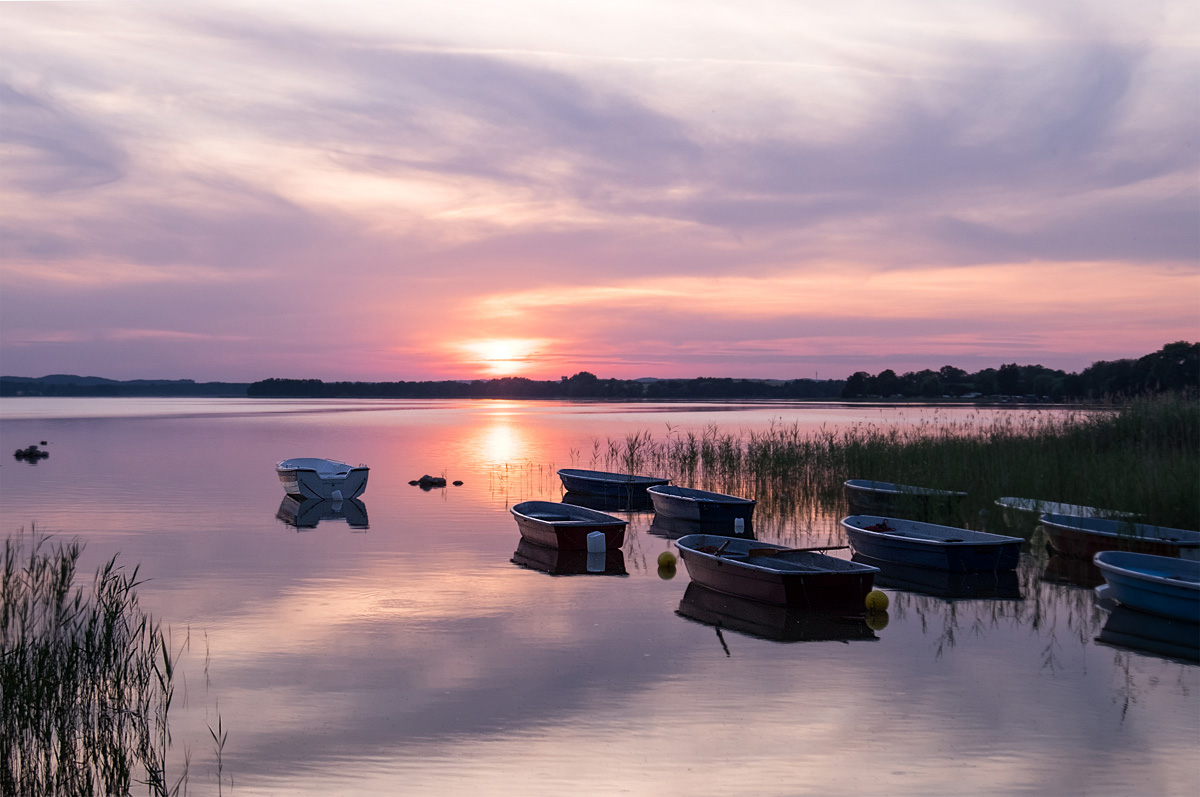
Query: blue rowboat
x,y
909,542
708,508
607,485
1162,585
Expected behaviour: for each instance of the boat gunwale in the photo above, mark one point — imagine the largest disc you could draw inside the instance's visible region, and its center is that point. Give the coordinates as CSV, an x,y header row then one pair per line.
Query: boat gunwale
x,y
1177,582
989,539
615,478
708,497
856,567
900,489
595,517
284,467
1039,507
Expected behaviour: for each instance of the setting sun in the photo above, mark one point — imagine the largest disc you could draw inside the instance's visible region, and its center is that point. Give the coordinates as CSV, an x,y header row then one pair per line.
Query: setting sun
x,y
502,356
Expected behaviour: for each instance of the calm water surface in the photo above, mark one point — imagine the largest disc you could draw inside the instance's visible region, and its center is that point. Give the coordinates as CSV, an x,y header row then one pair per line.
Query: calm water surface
x,y
405,652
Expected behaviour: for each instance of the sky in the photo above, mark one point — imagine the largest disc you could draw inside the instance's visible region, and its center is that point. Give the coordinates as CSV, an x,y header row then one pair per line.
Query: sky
x,y
380,191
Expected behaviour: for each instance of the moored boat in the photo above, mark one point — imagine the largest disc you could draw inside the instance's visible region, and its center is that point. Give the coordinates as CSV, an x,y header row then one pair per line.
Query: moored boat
x,y
775,574
1083,537
869,497
910,542
705,507
1037,508
320,479
606,484
566,526
1164,585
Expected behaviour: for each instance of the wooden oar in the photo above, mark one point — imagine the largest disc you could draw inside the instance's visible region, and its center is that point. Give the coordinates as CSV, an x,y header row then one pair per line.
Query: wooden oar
x,y
775,551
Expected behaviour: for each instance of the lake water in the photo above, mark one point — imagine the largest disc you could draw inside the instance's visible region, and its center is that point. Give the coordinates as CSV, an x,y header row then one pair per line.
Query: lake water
x,y
405,652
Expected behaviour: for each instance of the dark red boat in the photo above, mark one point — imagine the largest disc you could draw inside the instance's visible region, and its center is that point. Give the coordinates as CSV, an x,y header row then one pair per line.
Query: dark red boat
x,y
566,526
800,579
1084,537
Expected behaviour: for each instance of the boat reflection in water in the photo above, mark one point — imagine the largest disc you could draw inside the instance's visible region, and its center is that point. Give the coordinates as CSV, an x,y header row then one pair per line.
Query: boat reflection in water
x,y
306,513
1072,572
767,621
1149,633
672,528
638,502
560,562
1002,584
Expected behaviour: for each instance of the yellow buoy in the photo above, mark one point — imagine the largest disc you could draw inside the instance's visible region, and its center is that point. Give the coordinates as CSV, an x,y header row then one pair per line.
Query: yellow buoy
x,y
666,559
877,601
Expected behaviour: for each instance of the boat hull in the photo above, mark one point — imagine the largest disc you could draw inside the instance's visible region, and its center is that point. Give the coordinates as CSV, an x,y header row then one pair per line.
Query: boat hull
x,y
868,497
714,511
566,527
802,581
322,479
1162,585
931,546
603,484
1083,538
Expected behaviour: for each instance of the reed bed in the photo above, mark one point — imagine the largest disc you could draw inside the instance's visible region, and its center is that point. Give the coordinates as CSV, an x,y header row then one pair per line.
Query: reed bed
x,y
1139,456
85,677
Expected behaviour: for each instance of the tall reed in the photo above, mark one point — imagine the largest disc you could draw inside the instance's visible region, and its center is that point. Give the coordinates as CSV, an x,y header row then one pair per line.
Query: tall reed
x,y
86,677
1140,456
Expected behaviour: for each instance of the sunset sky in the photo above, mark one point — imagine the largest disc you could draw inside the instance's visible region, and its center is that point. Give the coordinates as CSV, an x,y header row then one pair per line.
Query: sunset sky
x,y
403,190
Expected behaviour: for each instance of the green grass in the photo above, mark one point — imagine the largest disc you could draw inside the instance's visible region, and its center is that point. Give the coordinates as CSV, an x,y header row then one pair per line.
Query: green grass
x,y
1139,456
85,677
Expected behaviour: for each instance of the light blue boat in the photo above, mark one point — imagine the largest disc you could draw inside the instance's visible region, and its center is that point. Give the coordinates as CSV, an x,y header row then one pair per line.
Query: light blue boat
x,y
1162,585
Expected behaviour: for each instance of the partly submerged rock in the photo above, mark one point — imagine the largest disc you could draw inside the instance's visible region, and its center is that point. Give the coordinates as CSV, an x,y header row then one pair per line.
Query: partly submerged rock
x,y
428,482
31,454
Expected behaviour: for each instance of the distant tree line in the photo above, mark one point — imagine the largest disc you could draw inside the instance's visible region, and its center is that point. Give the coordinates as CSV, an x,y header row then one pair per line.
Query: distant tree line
x,y
1175,366
68,386
581,385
